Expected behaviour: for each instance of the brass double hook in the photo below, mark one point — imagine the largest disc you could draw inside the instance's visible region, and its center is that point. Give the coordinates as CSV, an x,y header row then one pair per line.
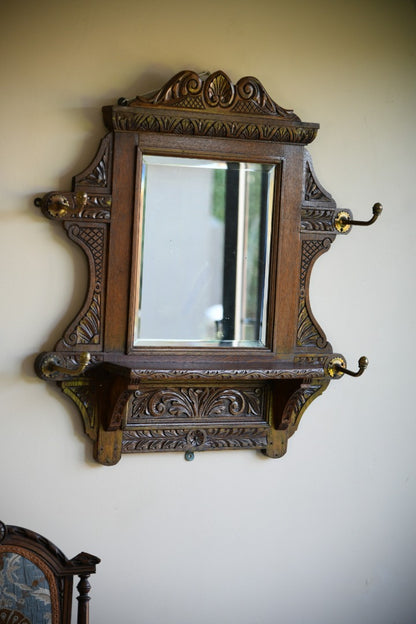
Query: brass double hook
x,y
337,366
343,220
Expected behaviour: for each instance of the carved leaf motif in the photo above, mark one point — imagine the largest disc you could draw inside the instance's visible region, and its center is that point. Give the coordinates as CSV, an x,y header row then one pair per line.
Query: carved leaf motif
x,y
127,121
313,190
219,90
98,176
307,334
97,207
151,124
87,328
190,439
250,132
196,403
317,219
196,375
97,173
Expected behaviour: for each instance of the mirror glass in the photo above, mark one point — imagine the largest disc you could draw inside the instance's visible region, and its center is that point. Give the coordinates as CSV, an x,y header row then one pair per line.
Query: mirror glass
x,y
204,252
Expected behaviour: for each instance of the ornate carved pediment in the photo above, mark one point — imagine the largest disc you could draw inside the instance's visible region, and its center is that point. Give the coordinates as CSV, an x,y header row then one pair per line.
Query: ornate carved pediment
x,y
189,90
190,103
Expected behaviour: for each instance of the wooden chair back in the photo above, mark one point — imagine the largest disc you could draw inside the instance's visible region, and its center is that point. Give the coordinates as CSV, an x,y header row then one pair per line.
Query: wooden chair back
x,y
36,579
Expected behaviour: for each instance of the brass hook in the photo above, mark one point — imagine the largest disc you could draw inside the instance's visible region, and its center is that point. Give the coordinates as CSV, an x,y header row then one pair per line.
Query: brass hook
x,y
337,367
343,221
52,367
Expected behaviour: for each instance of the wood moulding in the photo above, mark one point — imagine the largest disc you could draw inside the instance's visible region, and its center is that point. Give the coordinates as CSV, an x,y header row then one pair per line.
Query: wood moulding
x,y
141,399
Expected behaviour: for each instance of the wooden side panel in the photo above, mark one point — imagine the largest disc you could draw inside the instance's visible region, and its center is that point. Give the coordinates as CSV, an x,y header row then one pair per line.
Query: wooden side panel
x,y
120,252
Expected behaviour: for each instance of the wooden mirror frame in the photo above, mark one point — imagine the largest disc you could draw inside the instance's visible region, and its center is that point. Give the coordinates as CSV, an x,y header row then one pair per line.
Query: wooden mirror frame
x,y
193,398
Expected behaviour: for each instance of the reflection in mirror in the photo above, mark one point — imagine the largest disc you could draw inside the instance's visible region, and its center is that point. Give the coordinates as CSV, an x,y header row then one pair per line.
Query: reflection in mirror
x,y
204,253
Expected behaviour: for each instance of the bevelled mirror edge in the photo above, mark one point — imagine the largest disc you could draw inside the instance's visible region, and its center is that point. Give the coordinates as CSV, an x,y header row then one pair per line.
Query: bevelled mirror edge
x,y
207,147
252,285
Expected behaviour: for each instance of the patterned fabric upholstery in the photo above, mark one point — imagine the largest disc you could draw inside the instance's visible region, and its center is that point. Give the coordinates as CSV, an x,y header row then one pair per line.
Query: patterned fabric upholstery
x,y
24,589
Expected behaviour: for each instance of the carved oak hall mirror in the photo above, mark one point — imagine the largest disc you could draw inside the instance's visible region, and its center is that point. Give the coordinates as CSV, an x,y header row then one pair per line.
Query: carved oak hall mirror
x,y
200,217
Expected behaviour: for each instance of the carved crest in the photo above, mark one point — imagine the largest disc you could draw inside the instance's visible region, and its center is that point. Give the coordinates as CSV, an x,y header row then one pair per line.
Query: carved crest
x,y
190,90
191,103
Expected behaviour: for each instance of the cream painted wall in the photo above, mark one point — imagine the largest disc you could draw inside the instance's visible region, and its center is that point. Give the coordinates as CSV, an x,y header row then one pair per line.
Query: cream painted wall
x,y
326,534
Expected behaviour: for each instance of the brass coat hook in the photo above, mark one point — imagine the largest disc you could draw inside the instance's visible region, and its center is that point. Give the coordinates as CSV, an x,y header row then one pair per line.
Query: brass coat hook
x,y
343,221
50,366
337,367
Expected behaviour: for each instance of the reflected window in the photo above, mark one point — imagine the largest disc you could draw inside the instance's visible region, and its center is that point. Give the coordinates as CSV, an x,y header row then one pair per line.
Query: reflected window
x,y
204,252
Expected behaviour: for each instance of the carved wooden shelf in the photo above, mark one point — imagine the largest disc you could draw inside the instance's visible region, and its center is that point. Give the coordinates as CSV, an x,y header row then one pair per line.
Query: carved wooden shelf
x,y
138,396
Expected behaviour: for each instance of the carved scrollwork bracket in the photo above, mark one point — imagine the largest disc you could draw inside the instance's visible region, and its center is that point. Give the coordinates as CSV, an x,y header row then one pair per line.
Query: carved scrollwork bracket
x,y
286,420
